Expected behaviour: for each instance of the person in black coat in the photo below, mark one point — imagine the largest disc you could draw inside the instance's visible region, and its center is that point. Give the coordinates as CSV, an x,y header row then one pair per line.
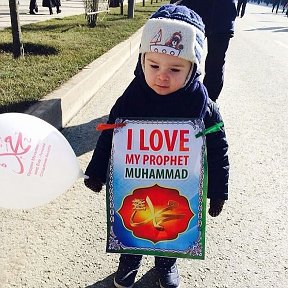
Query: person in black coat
x,y
241,5
166,86
33,7
52,3
276,3
219,17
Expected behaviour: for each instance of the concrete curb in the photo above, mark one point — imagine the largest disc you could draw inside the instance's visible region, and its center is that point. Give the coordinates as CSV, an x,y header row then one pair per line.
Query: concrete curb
x,y
59,107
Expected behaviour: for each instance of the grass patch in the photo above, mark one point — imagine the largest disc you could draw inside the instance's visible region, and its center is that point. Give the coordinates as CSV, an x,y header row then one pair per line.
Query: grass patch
x,y
56,50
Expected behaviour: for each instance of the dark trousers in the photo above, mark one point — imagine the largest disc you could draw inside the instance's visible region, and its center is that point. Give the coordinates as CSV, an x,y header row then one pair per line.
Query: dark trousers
x,y
134,261
215,64
241,5
33,5
276,4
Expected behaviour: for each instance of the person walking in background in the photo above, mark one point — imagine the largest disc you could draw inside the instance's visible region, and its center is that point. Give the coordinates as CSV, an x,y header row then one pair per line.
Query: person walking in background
x,y
33,7
52,3
241,5
285,4
57,4
219,17
276,4
166,85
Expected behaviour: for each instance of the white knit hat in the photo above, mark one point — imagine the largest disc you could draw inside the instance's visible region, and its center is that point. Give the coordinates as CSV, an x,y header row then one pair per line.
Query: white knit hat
x,y
174,30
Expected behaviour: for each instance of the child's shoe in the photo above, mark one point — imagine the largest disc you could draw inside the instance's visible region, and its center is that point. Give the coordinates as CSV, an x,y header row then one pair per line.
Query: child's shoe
x,y
125,276
169,277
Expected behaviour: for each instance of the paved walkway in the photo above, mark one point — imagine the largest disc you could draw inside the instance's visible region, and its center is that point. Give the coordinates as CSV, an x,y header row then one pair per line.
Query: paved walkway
x,y
68,8
63,244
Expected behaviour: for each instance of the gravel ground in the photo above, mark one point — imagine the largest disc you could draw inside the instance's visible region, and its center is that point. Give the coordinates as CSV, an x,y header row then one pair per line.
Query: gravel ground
x,y
62,244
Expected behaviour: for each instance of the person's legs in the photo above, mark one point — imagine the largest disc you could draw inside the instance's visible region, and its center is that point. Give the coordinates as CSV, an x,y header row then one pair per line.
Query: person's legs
x,y
215,64
278,4
168,272
239,3
284,6
273,5
57,4
243,8
32,7
127,270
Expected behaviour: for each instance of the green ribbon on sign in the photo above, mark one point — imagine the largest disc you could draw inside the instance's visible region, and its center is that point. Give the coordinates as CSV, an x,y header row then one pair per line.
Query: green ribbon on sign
x,y
211,129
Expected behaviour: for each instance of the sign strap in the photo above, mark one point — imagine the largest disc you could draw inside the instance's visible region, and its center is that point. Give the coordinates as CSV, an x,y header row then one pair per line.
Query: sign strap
x,y
212,129
106,126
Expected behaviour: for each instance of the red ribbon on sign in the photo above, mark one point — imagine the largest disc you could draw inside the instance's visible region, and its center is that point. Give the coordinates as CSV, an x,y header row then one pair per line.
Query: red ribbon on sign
x,y
106,126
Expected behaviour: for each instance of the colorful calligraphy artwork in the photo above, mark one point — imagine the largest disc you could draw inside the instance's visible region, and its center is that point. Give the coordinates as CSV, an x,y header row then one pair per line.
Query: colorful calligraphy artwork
x,y
156,193
156,213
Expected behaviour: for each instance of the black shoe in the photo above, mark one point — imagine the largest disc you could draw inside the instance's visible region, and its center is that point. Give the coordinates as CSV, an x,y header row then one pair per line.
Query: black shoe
x,y
32,12
169,277
58,11
125,276
36,9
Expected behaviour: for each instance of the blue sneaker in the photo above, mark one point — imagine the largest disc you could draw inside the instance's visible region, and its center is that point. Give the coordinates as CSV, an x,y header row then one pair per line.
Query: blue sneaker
x,y
125,276
169,277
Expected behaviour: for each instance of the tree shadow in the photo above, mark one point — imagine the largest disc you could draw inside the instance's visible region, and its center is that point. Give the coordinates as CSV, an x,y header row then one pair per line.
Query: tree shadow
x,y
275,29
145,11
105,283
60,25
282,30
16,107
83,138
30,49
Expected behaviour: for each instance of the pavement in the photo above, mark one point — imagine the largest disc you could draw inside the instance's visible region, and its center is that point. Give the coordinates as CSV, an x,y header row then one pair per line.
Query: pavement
x,y
68,8
62,244
60,106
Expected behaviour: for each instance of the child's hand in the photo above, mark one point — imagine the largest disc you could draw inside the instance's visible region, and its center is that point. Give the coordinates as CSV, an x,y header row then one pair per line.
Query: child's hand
x,y
95,184
216,206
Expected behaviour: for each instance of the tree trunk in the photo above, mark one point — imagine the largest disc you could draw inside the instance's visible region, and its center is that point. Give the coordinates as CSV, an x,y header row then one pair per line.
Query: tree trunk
x,y
16,29
131,4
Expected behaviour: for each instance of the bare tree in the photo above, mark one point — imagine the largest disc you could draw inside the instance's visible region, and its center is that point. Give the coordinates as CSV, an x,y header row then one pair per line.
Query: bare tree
x,y
16,29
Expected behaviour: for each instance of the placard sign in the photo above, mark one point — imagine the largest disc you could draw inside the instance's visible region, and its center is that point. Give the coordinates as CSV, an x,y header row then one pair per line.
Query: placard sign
x,y
156,193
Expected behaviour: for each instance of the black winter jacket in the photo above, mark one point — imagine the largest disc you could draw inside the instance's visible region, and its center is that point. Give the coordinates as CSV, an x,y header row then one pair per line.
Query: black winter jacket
x,y
140,101
218,15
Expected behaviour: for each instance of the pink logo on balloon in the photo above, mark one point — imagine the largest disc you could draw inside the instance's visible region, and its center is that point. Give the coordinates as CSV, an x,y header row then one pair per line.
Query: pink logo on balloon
x,y
26,160
15,147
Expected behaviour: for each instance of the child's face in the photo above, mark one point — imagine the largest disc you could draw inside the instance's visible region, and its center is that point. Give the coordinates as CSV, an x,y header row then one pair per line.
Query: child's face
x,y
165,74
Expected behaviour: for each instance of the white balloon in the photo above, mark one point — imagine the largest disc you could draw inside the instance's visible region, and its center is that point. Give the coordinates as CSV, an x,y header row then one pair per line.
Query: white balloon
x,y
37,163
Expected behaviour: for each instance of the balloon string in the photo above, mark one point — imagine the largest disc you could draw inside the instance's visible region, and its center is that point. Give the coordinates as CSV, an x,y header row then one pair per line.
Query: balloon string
x,y
105,126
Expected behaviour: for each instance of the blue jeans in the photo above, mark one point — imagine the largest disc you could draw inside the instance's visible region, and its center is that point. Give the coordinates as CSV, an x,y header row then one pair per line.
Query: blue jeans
x,y
134,261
